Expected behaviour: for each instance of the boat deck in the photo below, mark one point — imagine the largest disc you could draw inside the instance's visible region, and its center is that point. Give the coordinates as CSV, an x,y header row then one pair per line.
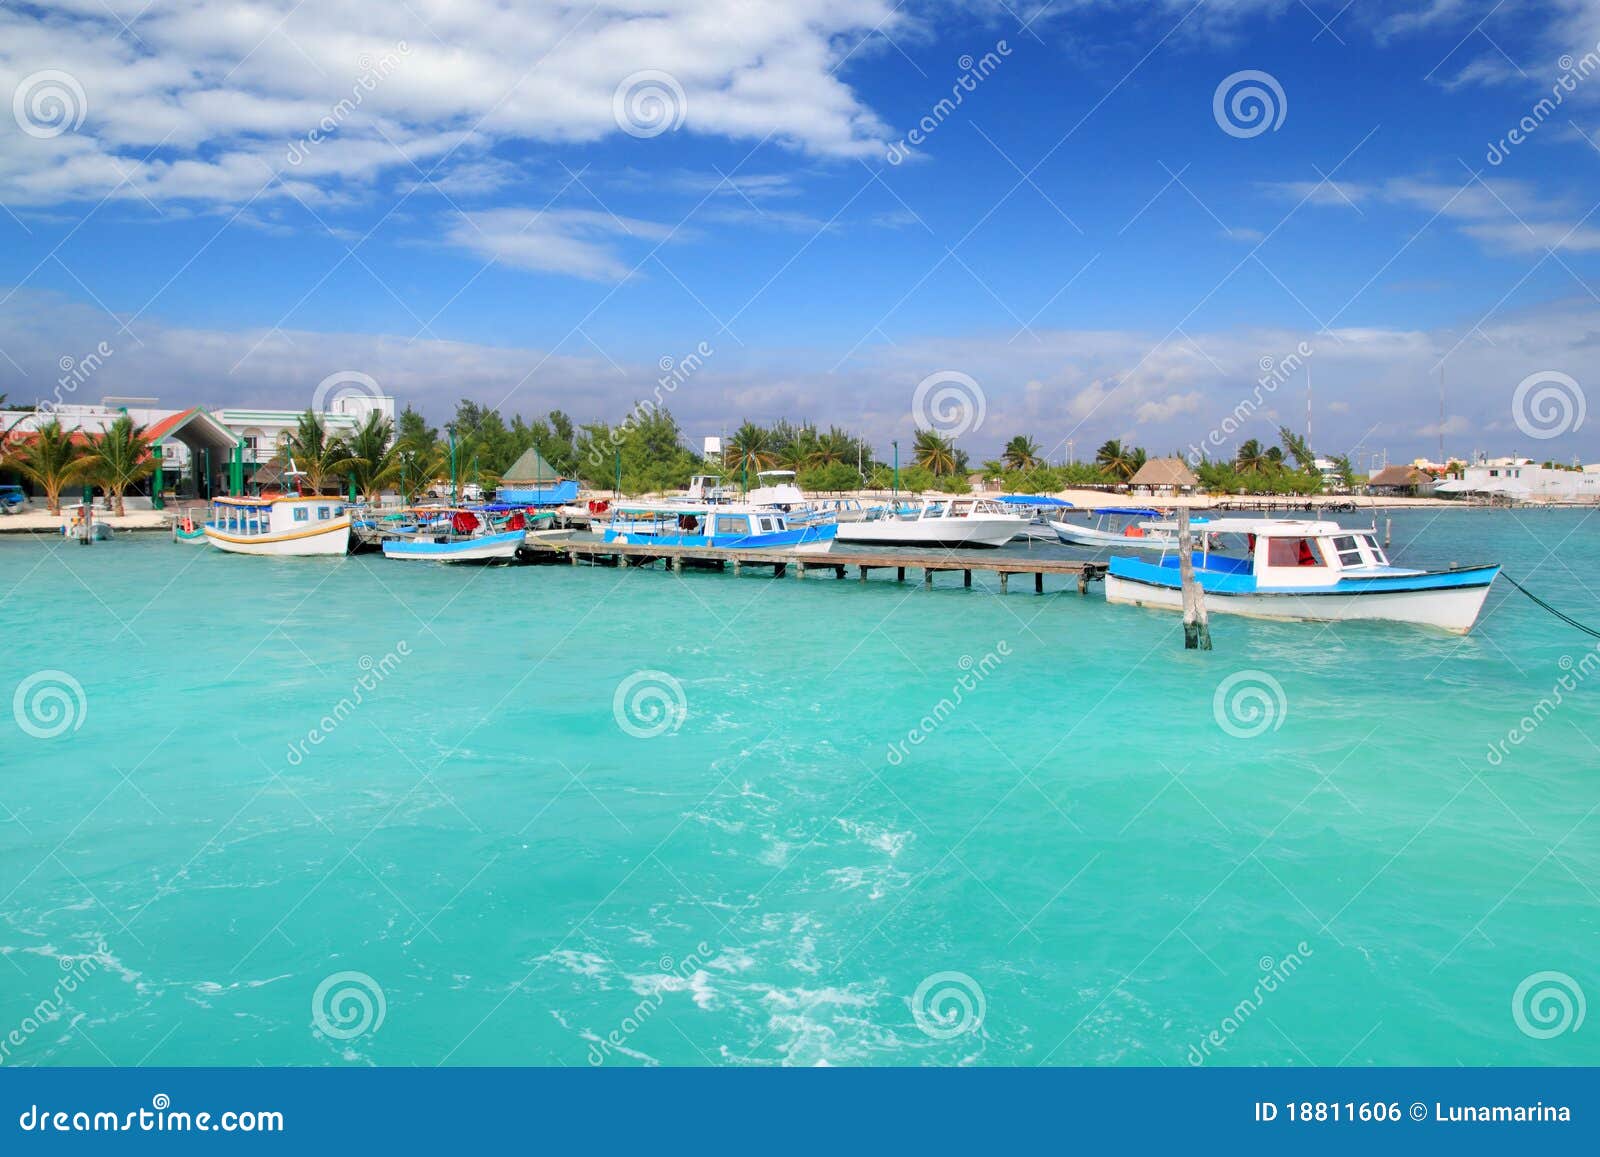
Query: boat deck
x,y
802,563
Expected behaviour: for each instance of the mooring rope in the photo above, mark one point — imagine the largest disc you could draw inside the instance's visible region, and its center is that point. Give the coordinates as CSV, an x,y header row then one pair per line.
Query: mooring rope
x,y
1562,615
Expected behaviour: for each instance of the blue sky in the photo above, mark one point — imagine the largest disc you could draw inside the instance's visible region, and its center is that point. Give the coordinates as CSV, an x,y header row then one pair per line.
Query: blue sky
x,y
1082,238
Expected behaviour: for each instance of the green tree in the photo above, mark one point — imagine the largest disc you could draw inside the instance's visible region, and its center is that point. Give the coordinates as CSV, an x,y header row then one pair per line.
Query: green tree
x,y
121,456
1297,448
1250,458
1118,461
319,456
375,459
1021,453
751,448
52,459
936,453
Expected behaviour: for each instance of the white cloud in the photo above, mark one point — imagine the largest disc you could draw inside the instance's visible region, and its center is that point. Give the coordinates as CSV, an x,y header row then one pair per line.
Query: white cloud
x,y
203,99
1374,387
580,242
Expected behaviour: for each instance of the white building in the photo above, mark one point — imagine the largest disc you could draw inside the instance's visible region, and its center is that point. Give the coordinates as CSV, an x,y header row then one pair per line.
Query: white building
x,y
196,444
1523,480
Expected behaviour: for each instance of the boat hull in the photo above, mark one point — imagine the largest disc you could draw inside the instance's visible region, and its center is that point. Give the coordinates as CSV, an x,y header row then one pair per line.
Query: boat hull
x,y
951,533
1453,607
327,538
485,548
1100,539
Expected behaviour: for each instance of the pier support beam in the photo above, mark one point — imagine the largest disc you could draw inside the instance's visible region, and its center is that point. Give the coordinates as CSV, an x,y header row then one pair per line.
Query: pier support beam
x,y
1038,582
738,567
966,578
863,571
838,572
781,569
927,578
899,574
1005,581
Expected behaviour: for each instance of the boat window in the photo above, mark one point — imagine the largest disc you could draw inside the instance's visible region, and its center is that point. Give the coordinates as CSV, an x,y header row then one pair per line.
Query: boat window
x,y
301,513
1375,550
1292,552
769,525
322,512
732,524
1348,550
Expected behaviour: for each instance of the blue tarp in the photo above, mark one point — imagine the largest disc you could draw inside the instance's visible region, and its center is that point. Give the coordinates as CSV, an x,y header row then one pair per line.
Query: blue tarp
x,y
1032,500
1135,511
562,492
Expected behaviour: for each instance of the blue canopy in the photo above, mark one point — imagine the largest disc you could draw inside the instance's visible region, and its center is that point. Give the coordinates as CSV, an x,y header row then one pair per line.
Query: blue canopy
x,y
1032,500
557,494
1132,511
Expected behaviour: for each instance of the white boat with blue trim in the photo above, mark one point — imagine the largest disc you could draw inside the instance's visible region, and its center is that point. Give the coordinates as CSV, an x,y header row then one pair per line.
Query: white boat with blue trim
x,y
1302,570
456,535
715,526
1123,527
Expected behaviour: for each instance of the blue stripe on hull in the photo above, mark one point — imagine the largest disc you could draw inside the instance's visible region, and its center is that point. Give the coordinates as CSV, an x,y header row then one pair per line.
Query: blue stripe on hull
x,y
1231,582
787,538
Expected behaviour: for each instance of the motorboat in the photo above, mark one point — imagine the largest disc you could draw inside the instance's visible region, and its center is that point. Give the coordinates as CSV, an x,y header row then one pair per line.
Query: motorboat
x,y
942,522
1302,570
716,527
279,525
1123,527
456,535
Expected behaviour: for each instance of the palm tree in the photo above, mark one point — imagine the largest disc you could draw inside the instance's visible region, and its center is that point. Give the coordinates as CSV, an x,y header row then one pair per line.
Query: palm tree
x,y
376,461
50,458
834,446
120,457
1021,453
315,454
1118,461
801,451
1250,459
751,448
936,452
1298,449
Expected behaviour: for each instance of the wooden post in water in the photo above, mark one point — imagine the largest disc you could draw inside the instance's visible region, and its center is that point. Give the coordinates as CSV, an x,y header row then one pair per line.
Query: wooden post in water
x,y
1196,629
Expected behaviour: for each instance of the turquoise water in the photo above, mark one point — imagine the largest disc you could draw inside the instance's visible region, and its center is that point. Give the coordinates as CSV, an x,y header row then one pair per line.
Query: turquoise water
x,y
770,879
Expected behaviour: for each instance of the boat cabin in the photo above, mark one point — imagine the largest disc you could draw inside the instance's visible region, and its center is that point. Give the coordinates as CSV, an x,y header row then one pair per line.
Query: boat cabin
x,y
270,515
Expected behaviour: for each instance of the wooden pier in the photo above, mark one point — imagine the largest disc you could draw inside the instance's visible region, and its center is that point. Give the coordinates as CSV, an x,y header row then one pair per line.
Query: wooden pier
x,y
840,562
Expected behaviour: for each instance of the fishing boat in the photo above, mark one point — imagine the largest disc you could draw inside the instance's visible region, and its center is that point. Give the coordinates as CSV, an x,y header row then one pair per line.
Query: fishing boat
x,y
456,535
279,525
1126,527
776,488
85,527
716,527
1302,570
953,522
186,530
12,499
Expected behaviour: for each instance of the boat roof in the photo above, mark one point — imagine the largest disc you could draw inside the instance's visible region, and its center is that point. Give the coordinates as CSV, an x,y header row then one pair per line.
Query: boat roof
x,y
1281,527
775,474
269,499
695,508
1031,500
1136,511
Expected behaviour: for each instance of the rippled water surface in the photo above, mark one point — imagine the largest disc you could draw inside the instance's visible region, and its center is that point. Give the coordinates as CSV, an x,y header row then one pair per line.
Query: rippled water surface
x,y
352,811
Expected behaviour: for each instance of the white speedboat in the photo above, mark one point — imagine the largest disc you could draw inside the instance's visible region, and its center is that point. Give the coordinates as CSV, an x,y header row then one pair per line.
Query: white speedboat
x,y
283,525
950,522
1038,509
1302,570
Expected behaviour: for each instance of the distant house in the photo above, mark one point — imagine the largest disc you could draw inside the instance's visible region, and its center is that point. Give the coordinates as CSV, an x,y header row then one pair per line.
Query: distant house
x,y
531,481
1164,476
1401,480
